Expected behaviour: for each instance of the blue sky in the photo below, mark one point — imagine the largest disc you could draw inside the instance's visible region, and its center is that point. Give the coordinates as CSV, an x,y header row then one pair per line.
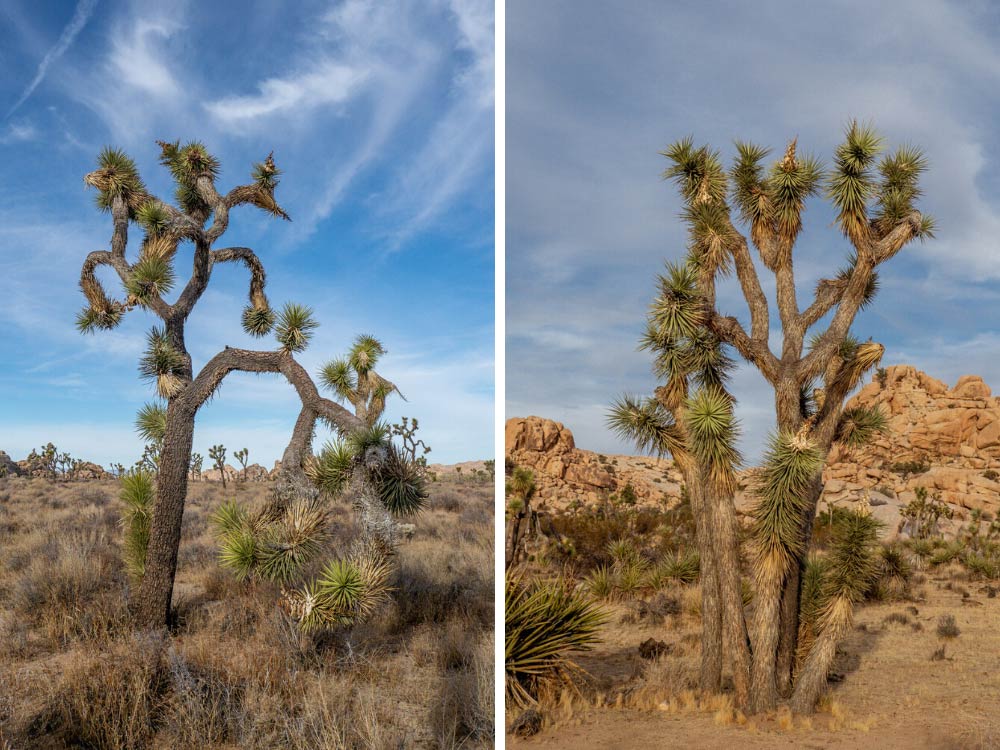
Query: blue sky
x,y
596,90
380,114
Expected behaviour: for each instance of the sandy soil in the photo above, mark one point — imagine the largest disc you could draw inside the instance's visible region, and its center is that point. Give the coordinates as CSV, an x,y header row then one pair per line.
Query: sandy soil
x,y
891,695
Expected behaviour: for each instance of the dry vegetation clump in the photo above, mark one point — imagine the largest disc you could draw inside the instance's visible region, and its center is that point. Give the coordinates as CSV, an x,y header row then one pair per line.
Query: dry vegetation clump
x,y
235,670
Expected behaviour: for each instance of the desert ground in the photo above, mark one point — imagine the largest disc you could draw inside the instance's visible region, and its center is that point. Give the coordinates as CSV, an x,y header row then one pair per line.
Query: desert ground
x,y
235,672
887,691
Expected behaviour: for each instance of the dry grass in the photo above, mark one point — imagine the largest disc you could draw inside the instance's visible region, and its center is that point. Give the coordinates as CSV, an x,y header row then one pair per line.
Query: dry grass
x,y
234,671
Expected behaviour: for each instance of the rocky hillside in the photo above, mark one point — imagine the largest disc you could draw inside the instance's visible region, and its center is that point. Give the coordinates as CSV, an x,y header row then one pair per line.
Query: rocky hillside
x,y
944,439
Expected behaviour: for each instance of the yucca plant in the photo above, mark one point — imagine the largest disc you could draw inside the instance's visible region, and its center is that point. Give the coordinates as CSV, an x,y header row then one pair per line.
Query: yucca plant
x,y
893,571
347,592
199,214
138,491
601,582
680,568
545,624
260,545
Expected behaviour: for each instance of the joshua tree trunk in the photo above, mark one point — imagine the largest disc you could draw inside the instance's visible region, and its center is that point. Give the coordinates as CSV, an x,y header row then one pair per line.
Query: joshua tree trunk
x,y
788,642
811,679
767,605
710,674
725,543
151,603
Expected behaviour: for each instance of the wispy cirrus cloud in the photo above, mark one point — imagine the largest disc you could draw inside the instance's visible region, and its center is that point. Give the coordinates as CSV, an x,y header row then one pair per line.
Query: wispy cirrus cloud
x,y
84,9
353,97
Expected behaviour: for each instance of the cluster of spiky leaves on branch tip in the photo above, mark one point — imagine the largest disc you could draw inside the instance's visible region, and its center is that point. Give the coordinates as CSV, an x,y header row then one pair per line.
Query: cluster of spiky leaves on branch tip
x,y
690,415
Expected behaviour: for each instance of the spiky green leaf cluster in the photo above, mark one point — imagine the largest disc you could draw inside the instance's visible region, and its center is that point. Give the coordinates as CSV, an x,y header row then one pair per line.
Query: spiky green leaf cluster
x,y
749,186
88,319
365,353
257,545
162,363
187,163
151,422
295,327
116,177
859,425
712,427
790,182
137,494
151,277
339,377
331,469
790,465
698,172
647,424
678,310
852,562
521,484
258,321
851,183
153,217
266,174
348,591
398,481
545,623
899,187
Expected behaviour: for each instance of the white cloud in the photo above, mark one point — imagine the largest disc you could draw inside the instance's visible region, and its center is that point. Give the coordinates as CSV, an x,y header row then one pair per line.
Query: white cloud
x,y
328,83
18,132
136,60
84,9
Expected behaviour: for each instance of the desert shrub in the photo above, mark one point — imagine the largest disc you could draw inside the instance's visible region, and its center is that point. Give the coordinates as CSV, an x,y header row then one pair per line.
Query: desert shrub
x,y
681,567
111,700
892,573
906,468
545,624
921,515
947,628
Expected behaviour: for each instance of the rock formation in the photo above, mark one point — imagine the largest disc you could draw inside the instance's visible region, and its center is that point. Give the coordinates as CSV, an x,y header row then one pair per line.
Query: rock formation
x,y
564,473
944,439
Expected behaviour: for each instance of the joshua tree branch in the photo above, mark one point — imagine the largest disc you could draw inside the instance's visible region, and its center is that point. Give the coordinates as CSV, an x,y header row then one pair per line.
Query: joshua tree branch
x,y
828,293
746,272
249,259
729,330
244,360
897,238
200,274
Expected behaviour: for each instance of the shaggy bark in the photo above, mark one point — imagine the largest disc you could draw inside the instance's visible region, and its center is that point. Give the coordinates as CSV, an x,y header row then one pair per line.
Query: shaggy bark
x,y
710,673
726,559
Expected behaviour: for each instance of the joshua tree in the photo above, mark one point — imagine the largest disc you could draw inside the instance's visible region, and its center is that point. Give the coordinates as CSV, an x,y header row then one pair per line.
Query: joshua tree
x,y
242,456
520,490
218,455
686,331
197,461
876,204
407,432
201,217
353,379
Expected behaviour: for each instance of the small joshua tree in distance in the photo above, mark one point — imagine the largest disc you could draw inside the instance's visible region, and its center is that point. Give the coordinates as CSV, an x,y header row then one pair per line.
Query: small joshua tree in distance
x,y
218,455
242,456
